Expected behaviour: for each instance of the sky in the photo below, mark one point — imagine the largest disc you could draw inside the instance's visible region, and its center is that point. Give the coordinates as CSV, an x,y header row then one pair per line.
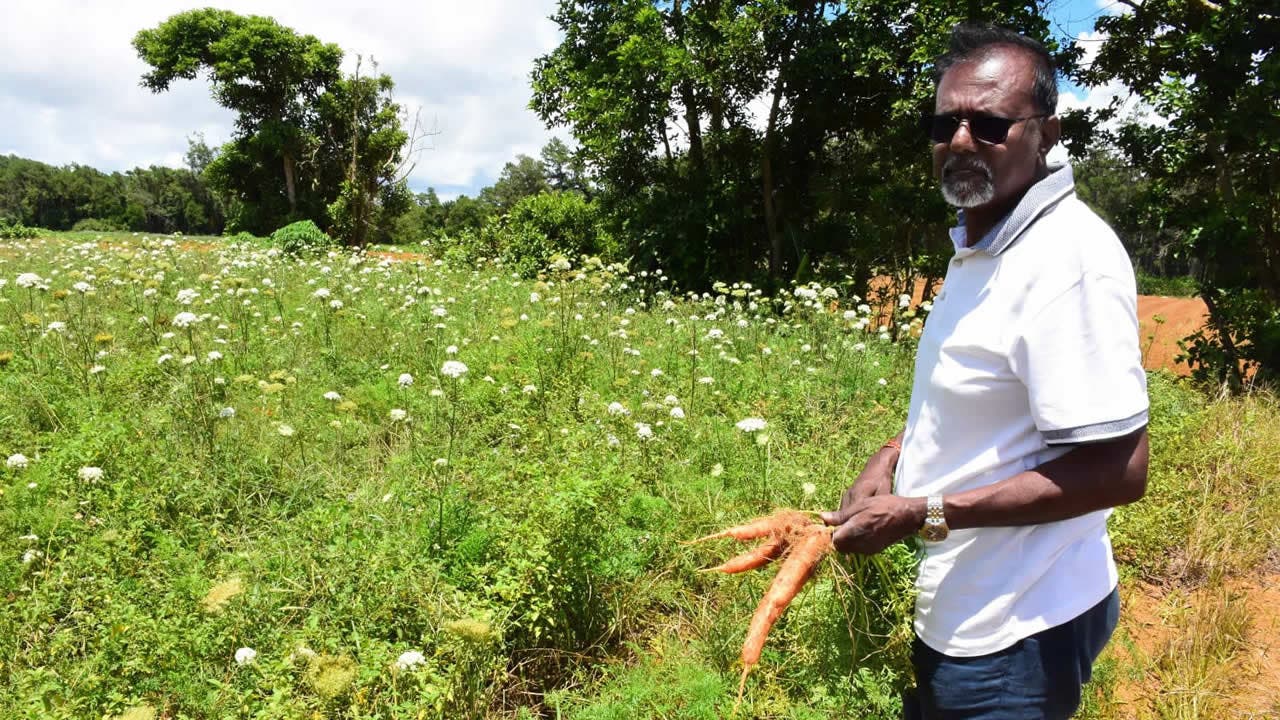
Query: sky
x,y
69,80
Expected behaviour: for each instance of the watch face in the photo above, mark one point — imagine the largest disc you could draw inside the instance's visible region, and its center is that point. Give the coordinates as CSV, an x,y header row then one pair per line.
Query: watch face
x,y
933,533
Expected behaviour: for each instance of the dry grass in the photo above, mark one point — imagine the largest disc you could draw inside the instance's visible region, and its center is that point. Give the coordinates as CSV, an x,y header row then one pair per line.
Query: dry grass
x,y
1191,637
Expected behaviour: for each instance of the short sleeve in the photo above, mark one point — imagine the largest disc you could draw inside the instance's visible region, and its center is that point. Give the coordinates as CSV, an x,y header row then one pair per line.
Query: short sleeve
x,y
1079,358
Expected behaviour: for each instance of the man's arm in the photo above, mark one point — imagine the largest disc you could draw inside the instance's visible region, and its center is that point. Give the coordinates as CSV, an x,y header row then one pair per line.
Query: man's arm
x,y
876,477
1087,478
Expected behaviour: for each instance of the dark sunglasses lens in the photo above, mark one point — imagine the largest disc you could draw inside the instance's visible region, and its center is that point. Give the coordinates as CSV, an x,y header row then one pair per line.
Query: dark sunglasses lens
x,y
993,130
940,128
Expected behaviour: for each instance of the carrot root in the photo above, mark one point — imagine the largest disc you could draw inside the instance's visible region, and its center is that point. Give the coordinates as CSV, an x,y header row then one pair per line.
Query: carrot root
x,y
785,522
791,577
757,557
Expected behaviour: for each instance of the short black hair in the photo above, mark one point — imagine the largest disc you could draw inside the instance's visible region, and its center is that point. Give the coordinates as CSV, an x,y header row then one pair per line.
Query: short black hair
x,y
971,41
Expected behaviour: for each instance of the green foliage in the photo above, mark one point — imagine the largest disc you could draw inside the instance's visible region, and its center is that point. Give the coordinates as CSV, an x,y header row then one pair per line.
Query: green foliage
x,y
517,534
522,178
1210,70
249,238
309,143
1181,286
95,225
17,231
678,687
359,123
540,227
155,199
659,99
302,237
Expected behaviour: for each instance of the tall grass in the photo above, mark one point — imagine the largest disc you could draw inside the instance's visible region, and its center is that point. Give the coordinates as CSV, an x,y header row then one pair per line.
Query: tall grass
x,y
291,502
264,486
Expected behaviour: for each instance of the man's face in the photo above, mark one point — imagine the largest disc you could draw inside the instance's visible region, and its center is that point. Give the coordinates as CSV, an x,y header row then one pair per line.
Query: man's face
x,y
975,174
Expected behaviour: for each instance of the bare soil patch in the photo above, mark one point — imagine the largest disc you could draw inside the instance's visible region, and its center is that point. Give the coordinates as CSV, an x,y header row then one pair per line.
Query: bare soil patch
x,y
1153,619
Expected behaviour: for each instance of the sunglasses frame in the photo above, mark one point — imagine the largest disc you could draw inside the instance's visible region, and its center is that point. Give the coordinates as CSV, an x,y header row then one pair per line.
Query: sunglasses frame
x,y
929,123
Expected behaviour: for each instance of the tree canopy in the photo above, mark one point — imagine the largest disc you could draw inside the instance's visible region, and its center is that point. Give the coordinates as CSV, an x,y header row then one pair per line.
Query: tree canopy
x,y
309,143
759,138
1211,72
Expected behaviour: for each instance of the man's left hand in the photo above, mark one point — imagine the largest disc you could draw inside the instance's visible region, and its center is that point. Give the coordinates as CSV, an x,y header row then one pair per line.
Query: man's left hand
x,y
873,524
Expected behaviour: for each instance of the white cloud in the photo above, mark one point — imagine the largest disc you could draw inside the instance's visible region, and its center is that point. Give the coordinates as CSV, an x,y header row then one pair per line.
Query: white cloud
x,y
1131,107
69,80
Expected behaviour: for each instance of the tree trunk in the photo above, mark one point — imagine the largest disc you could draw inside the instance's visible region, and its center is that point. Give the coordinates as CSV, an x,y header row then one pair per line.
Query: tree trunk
x,y
666,142
289,183
688,96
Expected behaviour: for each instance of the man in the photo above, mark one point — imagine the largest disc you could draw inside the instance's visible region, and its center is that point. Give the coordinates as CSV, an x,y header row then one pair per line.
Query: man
x,y
1028,413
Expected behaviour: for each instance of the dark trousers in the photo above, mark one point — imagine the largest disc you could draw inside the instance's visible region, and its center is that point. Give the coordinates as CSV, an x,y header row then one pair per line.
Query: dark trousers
x,y
1038,678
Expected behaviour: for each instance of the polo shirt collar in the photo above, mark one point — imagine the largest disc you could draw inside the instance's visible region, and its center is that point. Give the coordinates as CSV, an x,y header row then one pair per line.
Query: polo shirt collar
x,y
1039,198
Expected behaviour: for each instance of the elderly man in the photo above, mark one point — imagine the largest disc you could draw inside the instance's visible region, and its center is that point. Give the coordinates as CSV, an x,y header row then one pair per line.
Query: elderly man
x,y
1028,413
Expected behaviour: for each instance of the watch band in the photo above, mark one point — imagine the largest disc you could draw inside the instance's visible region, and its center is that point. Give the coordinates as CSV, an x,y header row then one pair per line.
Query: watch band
x,y
935,527
934,510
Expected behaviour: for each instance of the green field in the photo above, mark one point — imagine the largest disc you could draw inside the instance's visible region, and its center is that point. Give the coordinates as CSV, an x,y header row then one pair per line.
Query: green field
x,y
241,484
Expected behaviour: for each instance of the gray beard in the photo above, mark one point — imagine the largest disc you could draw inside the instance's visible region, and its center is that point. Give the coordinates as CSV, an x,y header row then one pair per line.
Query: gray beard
x,y
969,192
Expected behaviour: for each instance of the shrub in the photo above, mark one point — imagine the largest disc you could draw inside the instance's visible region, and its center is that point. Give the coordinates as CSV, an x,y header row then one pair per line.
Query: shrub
x,y
1178,286
247,237
542,226
96,225
301,237
17,231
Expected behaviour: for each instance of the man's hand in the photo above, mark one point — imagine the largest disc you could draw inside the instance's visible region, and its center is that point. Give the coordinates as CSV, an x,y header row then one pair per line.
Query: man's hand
x,y
872,524
875,479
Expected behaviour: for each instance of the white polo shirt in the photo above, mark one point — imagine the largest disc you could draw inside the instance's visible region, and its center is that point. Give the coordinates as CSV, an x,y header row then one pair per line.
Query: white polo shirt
x,y
1031,347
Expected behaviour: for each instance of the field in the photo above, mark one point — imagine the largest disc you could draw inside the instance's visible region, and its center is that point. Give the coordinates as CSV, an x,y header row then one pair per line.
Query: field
x,y
246,485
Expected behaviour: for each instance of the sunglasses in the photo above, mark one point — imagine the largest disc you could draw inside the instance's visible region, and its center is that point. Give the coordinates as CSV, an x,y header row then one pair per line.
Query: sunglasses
x,y
988,129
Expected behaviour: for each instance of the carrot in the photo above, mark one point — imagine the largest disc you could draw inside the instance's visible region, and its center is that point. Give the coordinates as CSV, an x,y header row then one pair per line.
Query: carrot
x,y
779,524
756,557
797,569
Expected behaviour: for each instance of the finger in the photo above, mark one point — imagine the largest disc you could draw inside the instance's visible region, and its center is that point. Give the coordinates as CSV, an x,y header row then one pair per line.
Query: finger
x,y
838,517
847,538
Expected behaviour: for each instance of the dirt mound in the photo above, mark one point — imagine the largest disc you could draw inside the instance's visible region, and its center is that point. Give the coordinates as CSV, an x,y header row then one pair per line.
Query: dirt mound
x,y
1162,322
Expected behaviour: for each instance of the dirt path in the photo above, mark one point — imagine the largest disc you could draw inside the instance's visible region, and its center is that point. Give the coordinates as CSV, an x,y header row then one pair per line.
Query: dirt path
x,y
1164,641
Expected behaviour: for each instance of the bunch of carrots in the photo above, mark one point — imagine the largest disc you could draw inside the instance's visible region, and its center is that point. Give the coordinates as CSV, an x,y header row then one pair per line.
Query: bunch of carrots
x,y
788,534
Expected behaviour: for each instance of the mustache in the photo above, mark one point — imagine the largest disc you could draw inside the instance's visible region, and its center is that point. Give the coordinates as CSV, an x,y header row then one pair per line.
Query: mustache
x,y
957,163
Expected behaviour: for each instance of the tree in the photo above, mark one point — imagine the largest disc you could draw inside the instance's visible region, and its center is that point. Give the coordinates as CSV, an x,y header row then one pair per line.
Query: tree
x,y
564,169
1211,70
264,71
155,199
715,127
360,139
199,154
519,179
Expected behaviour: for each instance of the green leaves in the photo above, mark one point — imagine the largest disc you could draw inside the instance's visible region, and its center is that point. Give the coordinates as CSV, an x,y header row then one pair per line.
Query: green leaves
x,y
1213,74
310,143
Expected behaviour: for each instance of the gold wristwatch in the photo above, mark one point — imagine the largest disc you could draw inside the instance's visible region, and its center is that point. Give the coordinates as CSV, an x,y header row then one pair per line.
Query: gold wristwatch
x,y
935,522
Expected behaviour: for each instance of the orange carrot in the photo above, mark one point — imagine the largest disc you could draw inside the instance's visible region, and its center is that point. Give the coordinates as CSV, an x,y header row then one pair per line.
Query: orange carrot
x,y
779,524
756,557
797,568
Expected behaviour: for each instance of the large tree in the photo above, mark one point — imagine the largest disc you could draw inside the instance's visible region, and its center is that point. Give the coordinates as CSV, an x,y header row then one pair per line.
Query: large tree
x,y
359,138
1212,71
755,137
265,72
310,143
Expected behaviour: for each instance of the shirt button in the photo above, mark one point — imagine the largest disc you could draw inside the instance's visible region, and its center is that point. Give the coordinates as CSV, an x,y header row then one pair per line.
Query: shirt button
x,y
942,295
959,262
